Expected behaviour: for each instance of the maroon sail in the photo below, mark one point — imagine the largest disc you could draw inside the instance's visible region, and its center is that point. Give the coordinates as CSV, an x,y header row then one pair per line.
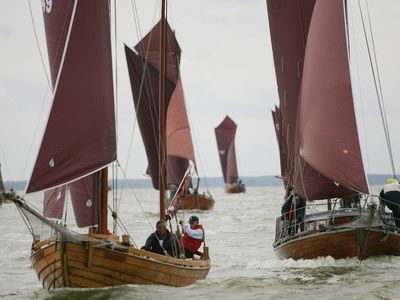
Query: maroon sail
x,y
84,198
53,205
179,139
289,22
145,88
225,134
149,49
80,134
328,132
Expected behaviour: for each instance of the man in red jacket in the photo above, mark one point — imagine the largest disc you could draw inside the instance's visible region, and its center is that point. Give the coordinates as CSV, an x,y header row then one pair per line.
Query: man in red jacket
x,y
193,236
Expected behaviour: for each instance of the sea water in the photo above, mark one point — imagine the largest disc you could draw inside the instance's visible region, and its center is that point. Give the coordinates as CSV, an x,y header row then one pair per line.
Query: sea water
x,y
239,232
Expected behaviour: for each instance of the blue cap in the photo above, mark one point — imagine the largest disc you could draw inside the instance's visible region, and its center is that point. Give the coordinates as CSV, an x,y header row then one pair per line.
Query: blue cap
x,y
193,219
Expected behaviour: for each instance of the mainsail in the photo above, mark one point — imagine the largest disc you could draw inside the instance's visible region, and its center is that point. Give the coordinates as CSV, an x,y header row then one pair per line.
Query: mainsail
x,y
295,29
80,133
225,135
143,68
327,126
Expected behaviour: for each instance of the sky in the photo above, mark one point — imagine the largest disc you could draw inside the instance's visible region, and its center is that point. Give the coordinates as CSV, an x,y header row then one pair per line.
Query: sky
x,y
226,67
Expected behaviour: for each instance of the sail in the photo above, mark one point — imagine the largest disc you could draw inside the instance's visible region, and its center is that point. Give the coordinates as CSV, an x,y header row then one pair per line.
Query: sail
x,y
149,49
289,22
80,134
84,198
53,205
328,132
225,134
179,139
145,89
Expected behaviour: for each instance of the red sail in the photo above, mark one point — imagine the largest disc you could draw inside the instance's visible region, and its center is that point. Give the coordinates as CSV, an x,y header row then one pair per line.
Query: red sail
x,y
145,89
84,198
289,22
80,134
328,132
53,205
149,49
225,134
179,139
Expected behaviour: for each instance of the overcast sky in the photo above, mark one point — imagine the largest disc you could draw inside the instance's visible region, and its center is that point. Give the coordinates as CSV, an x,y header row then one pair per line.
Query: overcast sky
x,y
226,66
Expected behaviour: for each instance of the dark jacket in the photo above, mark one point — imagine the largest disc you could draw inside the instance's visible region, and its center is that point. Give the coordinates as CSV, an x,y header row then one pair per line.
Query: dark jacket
x,y
153,243
288,209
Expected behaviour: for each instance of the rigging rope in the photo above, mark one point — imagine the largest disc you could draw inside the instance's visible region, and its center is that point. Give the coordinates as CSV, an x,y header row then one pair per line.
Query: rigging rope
x,y
378,94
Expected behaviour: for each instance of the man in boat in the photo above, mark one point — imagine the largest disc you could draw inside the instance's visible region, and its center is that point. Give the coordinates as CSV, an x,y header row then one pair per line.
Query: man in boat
x,y
193,236
162,241
390,197
293,213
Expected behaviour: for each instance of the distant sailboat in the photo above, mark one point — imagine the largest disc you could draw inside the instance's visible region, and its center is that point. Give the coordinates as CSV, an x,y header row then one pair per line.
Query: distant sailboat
x,y
78,145
178,136
5,196
318,140
225,134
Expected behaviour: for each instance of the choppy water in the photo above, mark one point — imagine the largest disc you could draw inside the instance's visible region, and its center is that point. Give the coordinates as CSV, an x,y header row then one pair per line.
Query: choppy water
x,y
239,232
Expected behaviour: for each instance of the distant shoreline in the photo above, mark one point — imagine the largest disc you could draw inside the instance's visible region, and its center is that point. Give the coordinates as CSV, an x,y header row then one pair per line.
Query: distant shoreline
x,y
250,181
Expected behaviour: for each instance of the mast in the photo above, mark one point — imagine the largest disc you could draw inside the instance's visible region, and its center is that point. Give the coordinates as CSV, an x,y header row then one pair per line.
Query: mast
x,y
161,110
103,226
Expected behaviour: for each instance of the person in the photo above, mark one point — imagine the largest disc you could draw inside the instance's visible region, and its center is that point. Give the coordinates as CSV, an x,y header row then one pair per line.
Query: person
x,y
162,241
193,236
293,213
390,197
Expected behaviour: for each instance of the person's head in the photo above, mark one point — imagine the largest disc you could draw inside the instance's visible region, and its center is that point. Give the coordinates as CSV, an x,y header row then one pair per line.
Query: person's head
x,y
193,221
161,228
391,180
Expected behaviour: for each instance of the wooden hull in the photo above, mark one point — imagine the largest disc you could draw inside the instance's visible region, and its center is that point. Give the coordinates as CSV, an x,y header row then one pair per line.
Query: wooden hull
x,y
83,265
197,201
340,244
235,188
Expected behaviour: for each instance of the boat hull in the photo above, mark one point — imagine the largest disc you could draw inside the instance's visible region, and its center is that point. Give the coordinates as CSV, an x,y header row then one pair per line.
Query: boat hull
x,y
341,244
80,265
196,201
235,188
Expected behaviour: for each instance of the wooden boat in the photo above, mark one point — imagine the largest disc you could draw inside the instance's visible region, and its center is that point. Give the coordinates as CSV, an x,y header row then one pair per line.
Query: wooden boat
x,y
196,201
225,134
318,141
5,196
78,145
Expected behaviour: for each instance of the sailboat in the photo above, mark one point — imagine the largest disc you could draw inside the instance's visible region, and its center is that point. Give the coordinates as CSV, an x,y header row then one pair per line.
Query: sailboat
x,y
5,196
316,129
78,145
179,150
225,135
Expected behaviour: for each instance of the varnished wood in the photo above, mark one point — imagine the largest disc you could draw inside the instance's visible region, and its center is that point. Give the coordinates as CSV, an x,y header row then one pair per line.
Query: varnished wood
x,y
111,267
235,188
339,244
196,201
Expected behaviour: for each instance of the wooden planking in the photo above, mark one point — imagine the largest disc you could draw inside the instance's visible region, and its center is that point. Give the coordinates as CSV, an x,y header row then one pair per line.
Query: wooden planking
x,y
235,188
110,267
196,202
147,269
338,244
